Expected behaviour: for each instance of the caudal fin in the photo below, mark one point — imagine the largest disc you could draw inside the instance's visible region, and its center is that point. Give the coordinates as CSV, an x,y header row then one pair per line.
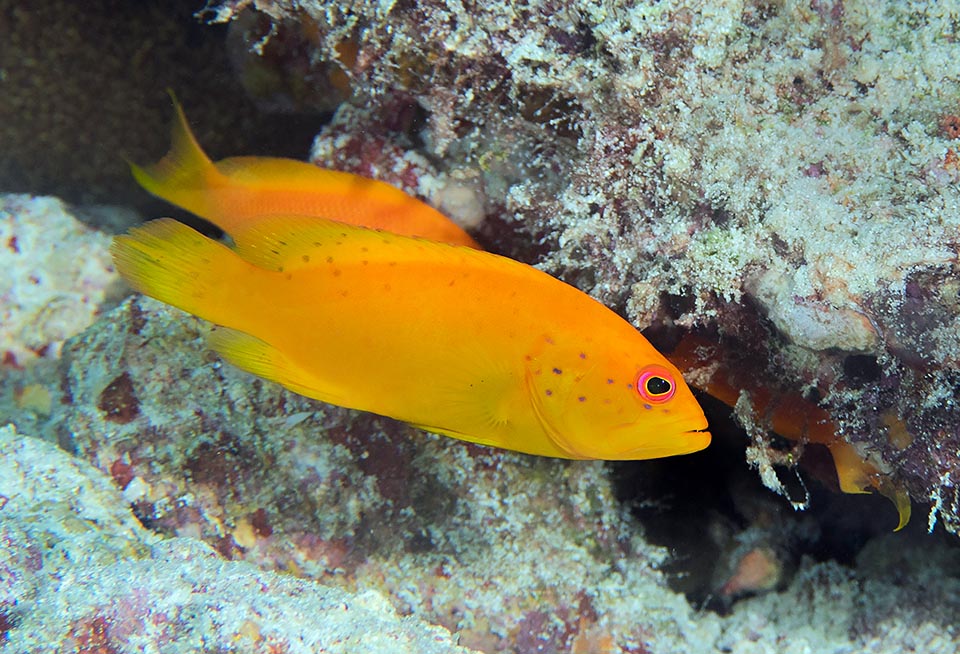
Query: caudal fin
x,y
179,266
184,173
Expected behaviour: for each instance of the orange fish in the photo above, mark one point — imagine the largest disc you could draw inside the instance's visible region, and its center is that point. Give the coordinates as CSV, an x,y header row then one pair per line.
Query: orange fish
x,y
789,415
453,340
233,193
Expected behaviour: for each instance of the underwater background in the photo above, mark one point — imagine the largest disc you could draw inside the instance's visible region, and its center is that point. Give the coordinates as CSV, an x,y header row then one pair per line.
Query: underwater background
x,y
769,189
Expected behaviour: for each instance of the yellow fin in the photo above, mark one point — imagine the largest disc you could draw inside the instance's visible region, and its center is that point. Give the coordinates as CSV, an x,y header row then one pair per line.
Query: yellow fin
x,y
175,264
184,168
859,476
853,473
900,499
258,357
479,440
294,242
492,401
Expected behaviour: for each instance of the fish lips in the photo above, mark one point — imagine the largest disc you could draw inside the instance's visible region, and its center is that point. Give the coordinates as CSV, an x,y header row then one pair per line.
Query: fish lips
x,y
661,444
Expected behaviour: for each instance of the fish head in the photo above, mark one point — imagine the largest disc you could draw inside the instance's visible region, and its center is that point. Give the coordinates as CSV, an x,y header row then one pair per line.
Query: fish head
x,y
622,409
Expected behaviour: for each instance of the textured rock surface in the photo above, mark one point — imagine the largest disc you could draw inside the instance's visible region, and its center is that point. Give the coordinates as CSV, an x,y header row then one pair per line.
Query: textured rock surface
x,y
79,573
56,273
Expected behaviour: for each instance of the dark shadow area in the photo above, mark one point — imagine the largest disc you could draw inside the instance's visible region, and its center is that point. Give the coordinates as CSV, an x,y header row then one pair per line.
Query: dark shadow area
x,y
711,511
84,89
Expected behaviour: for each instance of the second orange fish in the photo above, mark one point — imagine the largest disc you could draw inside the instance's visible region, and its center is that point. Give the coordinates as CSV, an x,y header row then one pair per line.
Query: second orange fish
x,y
233,193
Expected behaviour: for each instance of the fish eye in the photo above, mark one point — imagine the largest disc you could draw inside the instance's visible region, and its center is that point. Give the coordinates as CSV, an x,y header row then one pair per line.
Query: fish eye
x,y
655,384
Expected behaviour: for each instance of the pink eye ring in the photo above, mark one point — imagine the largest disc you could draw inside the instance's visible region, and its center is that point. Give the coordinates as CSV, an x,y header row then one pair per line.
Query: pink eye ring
x,y
655,384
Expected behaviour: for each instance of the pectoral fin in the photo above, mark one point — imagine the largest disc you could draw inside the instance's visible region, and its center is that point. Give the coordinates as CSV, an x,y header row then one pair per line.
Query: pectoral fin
x,y
255,356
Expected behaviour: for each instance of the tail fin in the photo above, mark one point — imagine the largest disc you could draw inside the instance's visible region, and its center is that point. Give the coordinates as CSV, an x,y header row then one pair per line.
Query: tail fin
x,y
184,172
179,266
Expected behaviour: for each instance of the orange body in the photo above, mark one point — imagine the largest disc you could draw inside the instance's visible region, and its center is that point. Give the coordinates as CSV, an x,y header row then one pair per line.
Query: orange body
x,y
451,339
235,192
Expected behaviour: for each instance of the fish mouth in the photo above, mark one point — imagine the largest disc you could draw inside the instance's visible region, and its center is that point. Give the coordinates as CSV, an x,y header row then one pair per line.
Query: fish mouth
x,y
699,438
684,442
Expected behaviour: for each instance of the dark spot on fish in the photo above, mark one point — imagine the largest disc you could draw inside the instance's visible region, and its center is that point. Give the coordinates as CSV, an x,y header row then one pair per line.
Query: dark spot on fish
x,y
549,392
281,242
275,251
392,263
306,258
365,262
344,293
329,259
336,272
583,355
647,406
288,276
582,398
364,249
280,269
386,287
609,381
119,401
316,244
557,371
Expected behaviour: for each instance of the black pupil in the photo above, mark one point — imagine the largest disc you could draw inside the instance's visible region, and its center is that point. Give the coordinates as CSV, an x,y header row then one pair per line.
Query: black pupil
x,y
658,386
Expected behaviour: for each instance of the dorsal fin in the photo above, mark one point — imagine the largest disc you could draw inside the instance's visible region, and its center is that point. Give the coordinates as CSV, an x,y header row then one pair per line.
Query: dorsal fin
x,y
294,242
